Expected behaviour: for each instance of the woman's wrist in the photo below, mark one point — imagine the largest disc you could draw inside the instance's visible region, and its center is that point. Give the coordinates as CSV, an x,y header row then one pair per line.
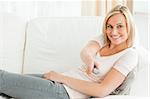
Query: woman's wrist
x,y
63,79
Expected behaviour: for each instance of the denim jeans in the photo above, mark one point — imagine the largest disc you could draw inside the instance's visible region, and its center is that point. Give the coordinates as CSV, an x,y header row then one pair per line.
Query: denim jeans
x,y
30,87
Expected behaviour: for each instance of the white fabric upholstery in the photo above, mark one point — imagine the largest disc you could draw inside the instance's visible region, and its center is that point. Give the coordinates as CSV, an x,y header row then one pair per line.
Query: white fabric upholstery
x,y
140,85
12,36
55,43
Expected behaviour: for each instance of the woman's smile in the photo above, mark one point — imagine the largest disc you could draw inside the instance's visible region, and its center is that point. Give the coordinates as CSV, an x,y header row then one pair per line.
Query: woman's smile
x,y
116,29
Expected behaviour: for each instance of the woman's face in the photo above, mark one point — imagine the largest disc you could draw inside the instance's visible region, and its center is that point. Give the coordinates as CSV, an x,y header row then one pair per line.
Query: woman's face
x,y
116,29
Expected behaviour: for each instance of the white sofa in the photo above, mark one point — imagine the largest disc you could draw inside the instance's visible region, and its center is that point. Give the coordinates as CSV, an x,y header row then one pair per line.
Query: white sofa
x,y
54,43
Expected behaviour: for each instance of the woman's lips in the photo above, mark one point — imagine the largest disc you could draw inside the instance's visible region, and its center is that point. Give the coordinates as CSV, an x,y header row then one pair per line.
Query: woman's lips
x,y
115,37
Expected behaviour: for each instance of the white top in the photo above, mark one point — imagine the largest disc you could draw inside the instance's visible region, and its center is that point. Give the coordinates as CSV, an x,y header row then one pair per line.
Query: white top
x,y
123,61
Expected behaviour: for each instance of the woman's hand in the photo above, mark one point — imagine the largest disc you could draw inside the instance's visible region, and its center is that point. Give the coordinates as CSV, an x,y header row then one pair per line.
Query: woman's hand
x,y
91,67
54,76
90,62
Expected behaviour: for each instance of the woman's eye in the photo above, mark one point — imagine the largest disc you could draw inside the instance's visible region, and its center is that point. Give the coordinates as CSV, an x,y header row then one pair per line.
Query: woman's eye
x,y
109,27
119,26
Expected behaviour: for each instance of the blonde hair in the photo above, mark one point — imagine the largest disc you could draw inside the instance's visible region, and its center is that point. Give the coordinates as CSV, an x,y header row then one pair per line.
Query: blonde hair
x,y
129,22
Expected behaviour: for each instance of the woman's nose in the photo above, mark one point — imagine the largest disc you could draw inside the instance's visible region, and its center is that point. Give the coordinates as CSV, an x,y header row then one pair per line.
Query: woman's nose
x,y
114,31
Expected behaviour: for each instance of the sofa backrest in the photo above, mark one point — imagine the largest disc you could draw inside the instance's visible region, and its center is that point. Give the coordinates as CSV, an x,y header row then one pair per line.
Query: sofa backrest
x,y
55,43
12,32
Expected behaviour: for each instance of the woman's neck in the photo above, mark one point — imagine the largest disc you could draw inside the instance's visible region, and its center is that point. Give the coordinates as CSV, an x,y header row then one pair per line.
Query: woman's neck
x,y
119,47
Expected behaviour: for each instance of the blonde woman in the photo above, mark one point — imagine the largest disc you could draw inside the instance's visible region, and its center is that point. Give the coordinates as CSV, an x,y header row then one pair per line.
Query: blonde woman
x,y
109,60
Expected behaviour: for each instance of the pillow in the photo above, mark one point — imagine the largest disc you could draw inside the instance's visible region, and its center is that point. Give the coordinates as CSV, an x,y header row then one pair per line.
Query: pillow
x,y
140,85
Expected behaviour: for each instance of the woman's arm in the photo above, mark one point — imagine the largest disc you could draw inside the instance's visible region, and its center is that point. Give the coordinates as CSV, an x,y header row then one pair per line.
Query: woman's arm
x,y
88,55
111,81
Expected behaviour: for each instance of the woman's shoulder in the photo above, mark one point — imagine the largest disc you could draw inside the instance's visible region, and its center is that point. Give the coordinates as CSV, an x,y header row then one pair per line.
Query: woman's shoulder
x,y
131,51
127,61
130,54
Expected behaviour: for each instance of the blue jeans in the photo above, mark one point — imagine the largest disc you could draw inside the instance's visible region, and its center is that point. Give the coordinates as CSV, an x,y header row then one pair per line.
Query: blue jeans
x,y
30,87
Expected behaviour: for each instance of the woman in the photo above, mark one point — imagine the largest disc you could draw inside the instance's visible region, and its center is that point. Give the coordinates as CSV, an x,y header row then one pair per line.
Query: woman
x,y
109,59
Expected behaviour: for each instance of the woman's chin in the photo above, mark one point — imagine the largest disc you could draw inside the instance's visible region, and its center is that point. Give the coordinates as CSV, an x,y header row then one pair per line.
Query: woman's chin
x,y
117,42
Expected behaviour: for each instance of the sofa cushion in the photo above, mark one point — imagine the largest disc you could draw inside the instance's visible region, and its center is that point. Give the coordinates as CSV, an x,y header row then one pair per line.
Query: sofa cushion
x,y
55,43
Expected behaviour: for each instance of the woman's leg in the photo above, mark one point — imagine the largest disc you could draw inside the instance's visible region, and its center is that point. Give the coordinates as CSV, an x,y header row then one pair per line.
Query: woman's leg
x,y
36,75
30,87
